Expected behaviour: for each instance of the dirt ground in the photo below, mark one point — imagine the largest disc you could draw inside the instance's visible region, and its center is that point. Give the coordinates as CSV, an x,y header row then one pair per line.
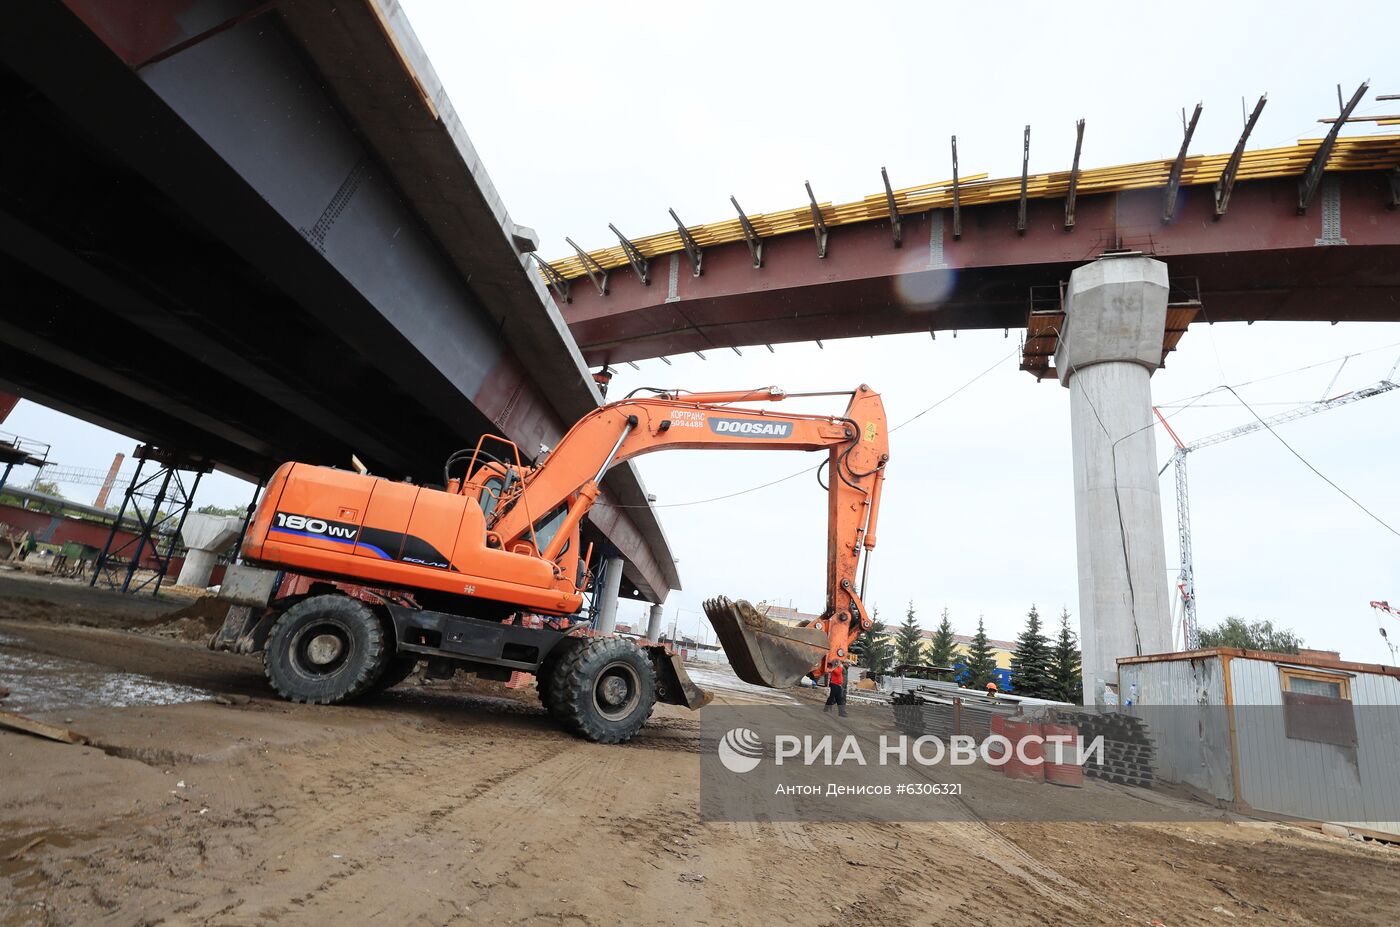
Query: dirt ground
x,y
457,804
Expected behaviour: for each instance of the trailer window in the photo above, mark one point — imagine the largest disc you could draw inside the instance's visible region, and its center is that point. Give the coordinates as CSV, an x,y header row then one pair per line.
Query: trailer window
x,y
1317,707
1305,683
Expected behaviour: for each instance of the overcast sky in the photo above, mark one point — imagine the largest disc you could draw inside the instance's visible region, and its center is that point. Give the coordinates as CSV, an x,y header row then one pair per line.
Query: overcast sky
x,y
587,114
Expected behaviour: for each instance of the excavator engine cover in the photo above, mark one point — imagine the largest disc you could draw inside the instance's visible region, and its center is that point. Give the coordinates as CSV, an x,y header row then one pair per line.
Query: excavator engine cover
x,y
762,651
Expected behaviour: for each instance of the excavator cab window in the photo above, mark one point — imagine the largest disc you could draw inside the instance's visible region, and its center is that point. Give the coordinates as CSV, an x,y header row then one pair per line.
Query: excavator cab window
x,y
548,525
491,495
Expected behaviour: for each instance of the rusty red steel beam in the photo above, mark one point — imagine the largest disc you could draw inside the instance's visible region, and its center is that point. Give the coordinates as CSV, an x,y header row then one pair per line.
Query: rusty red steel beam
x,y
1260,262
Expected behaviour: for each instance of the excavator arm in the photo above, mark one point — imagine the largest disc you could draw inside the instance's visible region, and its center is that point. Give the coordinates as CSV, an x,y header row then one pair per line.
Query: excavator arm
x,y
762,651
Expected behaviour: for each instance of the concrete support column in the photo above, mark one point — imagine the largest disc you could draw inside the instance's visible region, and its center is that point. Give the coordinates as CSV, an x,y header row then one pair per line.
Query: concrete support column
x,y
607,599
654,623
205,537
1111,342
198,567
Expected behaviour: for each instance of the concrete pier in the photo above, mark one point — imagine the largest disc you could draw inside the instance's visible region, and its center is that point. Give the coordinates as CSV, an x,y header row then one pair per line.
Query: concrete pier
x,y
1116,311
654,623
606,619
205,538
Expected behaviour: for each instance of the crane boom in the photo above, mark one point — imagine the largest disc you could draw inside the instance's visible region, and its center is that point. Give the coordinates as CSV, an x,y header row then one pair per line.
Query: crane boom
x,y
1292,415
1186,579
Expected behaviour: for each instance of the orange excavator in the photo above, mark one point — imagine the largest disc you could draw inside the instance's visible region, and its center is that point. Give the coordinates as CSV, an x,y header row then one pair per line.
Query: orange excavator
x,y
485,573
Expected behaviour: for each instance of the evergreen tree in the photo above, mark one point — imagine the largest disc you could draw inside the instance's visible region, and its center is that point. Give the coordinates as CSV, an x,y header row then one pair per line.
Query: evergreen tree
x,y
1065,682
874,647
909,642
981,660
944,649
1030,665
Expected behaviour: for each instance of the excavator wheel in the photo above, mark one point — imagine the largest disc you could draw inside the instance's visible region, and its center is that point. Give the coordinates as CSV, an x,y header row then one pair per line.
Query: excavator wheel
x,y
325,650
398,669
604,691
550,678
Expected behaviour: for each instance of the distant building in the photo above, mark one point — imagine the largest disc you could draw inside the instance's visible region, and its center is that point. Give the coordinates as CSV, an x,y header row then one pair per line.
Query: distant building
x,y
1003,651
787,615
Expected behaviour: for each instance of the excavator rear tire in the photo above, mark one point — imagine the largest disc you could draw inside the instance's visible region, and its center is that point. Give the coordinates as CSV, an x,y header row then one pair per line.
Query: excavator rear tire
x,y
604,691
325,650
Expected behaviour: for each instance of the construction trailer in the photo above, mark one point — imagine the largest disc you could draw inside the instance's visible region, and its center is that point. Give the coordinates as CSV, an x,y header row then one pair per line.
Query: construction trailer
x,y
1301,736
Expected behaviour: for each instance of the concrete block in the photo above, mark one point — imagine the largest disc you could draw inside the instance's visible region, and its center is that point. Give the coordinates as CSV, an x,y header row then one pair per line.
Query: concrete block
x,y
247,585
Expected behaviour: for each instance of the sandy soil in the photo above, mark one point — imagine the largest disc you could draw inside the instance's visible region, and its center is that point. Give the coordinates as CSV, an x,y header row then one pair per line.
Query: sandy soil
x,y
459,805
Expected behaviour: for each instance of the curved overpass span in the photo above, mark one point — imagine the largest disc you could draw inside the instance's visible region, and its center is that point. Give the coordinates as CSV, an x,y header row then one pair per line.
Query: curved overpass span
x,y
971,254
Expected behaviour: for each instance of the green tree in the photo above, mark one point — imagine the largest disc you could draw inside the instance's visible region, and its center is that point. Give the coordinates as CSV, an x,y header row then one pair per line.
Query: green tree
x,y
944,649
1251,635
1030,665
240,511
48,488
874,648
909,641
981,660
1065,682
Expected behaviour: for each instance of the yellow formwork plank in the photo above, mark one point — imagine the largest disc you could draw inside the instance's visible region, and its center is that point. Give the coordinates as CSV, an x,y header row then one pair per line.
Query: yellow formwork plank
x,y
1356,153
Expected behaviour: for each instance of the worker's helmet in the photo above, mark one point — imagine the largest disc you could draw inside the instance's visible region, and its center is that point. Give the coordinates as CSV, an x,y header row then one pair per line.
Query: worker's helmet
x,y
992,686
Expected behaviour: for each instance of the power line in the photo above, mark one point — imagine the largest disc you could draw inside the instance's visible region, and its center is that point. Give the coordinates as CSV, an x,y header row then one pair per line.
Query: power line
x,y
996,364
1380,521
797,473
1275,376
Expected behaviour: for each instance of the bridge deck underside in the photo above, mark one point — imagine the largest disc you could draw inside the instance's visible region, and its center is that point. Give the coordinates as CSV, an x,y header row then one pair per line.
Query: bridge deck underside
x,y
206,253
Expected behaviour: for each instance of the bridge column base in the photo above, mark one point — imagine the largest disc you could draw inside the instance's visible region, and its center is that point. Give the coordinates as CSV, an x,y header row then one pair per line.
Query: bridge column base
x,y
1111,342
606,619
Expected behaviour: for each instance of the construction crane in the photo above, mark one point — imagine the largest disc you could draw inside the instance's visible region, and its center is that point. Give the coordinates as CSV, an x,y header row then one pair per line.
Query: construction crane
x,y
1186,580
1383,607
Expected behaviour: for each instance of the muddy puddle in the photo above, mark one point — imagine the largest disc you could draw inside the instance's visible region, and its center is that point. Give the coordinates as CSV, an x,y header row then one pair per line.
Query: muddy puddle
x,y
40,683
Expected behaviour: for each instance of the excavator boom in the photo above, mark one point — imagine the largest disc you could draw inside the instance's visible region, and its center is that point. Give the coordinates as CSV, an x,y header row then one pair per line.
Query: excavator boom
x,y
762,651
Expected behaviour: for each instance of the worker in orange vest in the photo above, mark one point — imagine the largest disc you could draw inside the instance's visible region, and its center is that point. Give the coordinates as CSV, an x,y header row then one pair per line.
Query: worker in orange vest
x,y
836,681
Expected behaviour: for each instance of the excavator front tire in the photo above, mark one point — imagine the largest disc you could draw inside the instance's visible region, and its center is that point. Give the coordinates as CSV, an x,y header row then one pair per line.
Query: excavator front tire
x,y
603,691
325,650
550,679
396,671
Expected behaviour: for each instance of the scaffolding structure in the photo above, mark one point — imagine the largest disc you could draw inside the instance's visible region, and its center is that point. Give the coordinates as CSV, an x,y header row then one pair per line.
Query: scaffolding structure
x,y
158,499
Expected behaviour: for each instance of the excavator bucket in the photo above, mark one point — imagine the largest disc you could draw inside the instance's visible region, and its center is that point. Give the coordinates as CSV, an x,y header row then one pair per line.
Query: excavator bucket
x,y
673,685
762,651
